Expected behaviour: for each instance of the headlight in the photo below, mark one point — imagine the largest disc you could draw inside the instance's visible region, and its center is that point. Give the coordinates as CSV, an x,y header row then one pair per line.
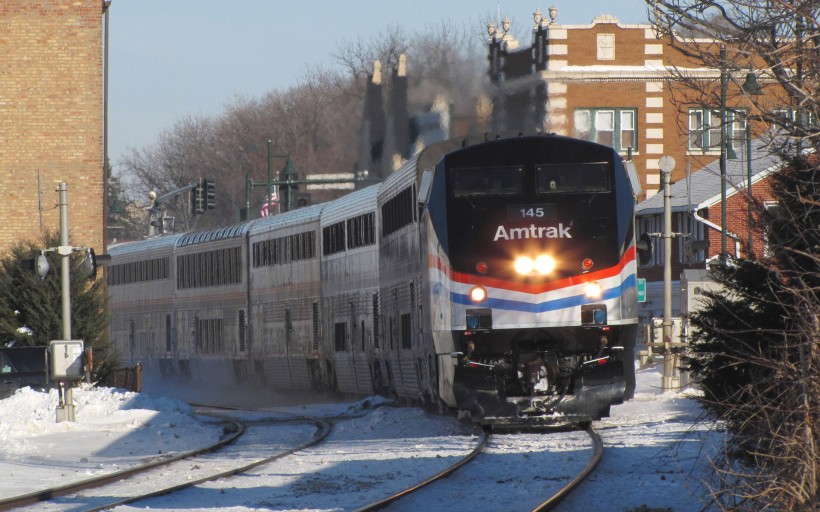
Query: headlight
x,y
544,264
478,294
524,265
593,290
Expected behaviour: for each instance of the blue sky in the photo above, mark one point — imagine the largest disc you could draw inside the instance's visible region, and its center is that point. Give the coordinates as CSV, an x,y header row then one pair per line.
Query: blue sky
x,y
174,58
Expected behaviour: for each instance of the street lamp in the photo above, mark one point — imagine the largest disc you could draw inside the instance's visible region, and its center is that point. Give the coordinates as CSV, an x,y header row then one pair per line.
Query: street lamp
x,y
723,154
667,163
752,88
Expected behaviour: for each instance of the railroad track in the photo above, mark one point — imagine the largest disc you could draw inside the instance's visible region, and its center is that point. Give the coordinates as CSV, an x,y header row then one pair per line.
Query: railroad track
x,y
129,485
545,506
498,468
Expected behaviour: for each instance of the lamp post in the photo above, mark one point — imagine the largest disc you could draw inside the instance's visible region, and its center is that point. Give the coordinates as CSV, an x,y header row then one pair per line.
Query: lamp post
x,y
667,163
749,186
723,151
752,88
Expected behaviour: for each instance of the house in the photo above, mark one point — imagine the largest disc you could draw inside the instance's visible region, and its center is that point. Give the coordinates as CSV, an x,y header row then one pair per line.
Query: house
x,y
697,215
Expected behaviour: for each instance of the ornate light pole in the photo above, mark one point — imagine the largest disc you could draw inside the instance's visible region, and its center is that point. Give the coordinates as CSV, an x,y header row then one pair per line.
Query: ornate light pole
x,y
752,88
723,150
667,163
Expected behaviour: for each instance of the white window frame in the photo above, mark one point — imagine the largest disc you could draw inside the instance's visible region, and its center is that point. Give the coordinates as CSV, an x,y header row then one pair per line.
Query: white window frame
x,y
687,224
767,252
591,116
794,117
704,129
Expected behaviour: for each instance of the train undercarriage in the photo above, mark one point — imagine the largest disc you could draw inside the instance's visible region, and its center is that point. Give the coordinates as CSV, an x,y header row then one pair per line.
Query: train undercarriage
x,y
540,376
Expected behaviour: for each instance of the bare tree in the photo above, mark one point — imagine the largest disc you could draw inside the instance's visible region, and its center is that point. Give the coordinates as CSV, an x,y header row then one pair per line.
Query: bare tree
x,y
180,157
756,349
316,122
777,39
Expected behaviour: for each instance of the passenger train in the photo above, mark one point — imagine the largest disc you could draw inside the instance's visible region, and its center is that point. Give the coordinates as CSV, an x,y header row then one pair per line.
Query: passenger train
x,y
495,278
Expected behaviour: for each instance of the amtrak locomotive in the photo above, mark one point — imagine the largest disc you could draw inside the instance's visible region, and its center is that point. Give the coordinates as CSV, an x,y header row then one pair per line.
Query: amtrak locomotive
x,y
495,278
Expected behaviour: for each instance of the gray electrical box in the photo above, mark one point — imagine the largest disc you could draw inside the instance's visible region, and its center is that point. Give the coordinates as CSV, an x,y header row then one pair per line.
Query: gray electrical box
x,y
66,358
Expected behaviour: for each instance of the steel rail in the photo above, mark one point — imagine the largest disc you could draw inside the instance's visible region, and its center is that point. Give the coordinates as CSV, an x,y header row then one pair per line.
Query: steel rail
x,y
62,490
323,430
438,476
598,453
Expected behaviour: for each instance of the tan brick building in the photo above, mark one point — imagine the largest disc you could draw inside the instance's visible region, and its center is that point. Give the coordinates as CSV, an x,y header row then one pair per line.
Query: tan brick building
x,y
51,118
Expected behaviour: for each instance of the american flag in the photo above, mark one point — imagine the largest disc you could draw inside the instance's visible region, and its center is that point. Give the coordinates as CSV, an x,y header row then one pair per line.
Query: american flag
x,y
271,199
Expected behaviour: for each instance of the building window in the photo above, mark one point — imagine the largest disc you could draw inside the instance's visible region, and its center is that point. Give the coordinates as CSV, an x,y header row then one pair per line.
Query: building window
x,y
406,332
339,336
793,119
692,248
613,127
704,129
775,213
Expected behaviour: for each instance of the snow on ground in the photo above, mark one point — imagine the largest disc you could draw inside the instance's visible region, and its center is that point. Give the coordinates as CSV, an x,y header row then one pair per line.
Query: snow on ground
x,y
655,456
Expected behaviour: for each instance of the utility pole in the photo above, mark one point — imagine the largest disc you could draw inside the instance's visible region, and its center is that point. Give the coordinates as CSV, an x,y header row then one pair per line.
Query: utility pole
x,y
65,355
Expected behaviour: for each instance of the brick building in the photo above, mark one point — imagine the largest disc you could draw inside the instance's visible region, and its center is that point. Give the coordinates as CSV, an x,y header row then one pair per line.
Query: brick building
x,y
610,83
51,118
623,85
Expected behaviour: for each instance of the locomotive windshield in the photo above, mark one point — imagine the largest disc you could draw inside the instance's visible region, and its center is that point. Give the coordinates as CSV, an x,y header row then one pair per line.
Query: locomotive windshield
x,y
493,181
572,178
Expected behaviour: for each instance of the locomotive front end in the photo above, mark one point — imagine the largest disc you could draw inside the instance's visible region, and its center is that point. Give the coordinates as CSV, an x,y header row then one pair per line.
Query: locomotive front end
x,y
536,251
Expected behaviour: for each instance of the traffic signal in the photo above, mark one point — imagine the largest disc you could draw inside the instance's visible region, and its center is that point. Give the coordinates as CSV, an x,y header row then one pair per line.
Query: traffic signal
x,y
198,199
210,194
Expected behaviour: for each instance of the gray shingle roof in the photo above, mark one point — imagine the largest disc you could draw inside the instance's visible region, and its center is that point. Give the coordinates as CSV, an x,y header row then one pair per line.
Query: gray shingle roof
x,y
704,184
